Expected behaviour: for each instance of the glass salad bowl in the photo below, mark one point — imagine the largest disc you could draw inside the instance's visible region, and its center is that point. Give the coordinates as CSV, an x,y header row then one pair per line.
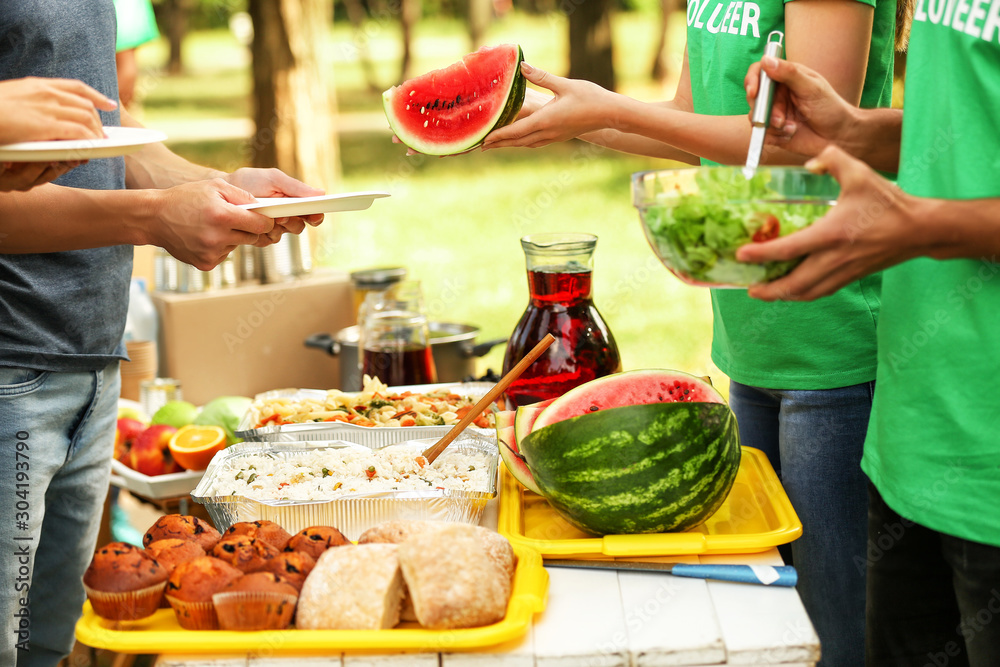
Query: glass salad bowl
x,y
696,218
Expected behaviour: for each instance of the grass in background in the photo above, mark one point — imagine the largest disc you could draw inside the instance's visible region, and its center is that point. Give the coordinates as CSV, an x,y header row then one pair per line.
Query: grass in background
x,y
455,223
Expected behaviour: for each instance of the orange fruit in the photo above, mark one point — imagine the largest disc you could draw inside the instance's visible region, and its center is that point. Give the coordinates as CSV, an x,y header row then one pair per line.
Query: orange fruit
x,y
194,446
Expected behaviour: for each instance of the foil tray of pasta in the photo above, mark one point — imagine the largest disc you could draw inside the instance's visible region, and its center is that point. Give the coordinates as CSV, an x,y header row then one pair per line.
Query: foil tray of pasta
x,y
376,415
349,485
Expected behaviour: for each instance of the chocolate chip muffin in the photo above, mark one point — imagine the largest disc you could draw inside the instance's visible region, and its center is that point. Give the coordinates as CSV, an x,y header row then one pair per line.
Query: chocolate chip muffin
x,y
316,539
123,582
245,553
190,589
172,552
263,529
199,579
256,601
182,527
292,566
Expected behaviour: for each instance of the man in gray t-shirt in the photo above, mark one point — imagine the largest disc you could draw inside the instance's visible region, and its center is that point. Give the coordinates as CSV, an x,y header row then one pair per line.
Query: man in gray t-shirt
x,y
65,264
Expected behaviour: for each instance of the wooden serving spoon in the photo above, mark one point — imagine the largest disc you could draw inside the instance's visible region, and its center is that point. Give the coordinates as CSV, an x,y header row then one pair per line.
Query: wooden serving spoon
x,y
435,450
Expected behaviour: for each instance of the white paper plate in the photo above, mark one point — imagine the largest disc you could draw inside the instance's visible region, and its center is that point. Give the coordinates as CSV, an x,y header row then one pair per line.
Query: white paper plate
x,y
282,207
120,141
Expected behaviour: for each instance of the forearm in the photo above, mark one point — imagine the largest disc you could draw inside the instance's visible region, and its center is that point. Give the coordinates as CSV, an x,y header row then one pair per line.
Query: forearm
x,y
722,139
637,144
957,229
156,166
51,218
874,136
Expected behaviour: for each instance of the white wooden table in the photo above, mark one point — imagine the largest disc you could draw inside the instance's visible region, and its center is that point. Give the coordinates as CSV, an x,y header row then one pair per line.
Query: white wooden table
x,y
606,618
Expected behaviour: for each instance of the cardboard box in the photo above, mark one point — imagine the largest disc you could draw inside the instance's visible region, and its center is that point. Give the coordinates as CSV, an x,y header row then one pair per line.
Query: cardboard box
x,y
247,340
142,264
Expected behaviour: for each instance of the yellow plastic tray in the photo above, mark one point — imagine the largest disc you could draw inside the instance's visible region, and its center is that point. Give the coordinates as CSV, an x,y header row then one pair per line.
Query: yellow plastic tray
x,y
160,633
756,516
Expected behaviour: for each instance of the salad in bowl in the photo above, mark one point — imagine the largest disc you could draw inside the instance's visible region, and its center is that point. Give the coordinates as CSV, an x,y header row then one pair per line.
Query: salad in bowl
x,y
696,218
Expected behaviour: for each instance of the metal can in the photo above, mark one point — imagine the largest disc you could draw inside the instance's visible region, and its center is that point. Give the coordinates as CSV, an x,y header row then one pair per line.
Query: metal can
x,y
374,280
155,393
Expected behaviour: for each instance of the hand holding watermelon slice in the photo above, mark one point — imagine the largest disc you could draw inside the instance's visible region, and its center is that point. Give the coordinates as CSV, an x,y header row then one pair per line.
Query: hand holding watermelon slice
x,y
576,108
451,110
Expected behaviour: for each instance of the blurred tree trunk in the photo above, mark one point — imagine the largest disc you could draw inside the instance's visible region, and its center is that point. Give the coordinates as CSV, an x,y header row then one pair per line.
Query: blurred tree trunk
x,y
590,52
539,7
294,109
661,64
478,18
356,15
175,20
409,14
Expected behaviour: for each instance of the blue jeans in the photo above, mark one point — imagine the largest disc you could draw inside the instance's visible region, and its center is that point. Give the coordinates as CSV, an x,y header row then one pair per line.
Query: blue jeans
x,y
56,439
933,599
814,440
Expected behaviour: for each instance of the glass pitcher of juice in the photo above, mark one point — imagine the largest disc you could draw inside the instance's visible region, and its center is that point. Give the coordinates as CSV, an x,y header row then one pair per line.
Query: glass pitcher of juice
x,y
560,268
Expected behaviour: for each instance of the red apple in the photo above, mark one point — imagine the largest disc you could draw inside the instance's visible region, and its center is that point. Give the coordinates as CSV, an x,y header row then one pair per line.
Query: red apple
x,y
127,431
151,452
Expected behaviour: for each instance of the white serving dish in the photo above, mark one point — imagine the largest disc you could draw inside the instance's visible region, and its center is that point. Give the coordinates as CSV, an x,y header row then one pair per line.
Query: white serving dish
x,y
158,487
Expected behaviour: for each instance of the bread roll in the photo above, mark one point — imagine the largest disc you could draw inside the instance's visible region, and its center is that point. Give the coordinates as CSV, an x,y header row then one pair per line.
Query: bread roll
x,y
452,580
352,588
396,532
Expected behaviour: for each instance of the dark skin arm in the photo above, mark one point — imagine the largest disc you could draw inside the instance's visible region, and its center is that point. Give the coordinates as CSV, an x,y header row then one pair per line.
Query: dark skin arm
x,y
874,225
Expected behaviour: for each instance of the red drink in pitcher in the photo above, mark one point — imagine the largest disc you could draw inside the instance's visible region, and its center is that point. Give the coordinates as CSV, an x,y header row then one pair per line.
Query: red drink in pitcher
x,y
559,282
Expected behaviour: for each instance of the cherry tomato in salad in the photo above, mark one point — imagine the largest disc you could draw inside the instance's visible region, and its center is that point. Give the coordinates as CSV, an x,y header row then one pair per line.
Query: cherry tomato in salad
x,y
771,229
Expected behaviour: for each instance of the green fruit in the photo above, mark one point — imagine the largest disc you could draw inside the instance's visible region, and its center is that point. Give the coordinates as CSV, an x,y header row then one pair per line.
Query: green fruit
x,y
133,413
175,413
226,412
650,468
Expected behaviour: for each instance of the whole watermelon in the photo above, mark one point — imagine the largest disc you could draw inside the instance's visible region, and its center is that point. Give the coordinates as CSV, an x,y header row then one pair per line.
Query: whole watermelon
x,y
650,468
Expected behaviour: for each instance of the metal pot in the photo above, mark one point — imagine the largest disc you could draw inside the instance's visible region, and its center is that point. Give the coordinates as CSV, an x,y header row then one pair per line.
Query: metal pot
x,y
453,346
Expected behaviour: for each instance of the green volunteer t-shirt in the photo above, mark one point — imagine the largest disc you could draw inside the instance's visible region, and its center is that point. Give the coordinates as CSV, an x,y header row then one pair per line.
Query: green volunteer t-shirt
x,y
933,447
820,345
136,23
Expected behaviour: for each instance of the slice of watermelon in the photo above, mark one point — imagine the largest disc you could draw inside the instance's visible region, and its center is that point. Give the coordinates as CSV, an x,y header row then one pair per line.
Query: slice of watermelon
x,y
628,388
507,423
512,456
525,417
451,110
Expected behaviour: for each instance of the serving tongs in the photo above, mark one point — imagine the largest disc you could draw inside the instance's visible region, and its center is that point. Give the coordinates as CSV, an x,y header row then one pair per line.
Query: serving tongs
x,y
493,394
760,117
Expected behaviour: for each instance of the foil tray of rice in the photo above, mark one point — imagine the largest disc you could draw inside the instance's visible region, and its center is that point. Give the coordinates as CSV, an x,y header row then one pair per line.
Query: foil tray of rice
x,y
376,416
348,485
